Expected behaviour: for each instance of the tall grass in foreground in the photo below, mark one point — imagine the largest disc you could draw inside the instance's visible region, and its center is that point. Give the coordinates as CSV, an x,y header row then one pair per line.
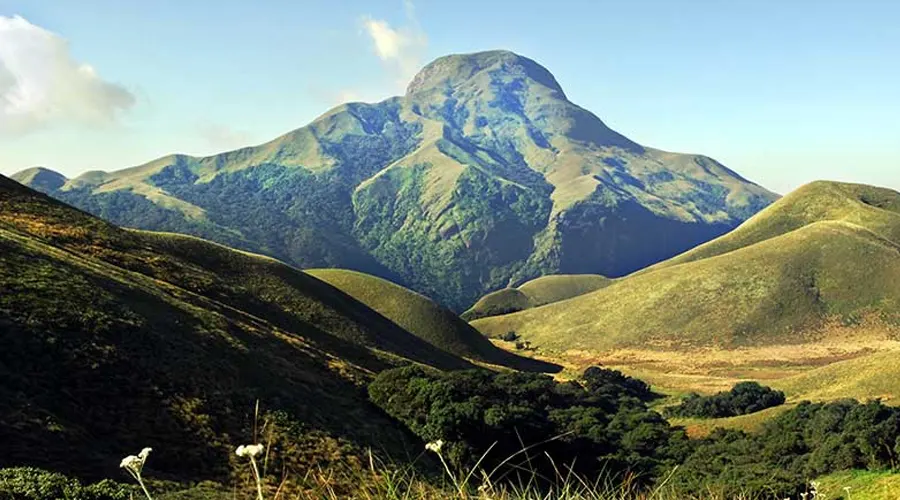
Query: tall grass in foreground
x,y
379,480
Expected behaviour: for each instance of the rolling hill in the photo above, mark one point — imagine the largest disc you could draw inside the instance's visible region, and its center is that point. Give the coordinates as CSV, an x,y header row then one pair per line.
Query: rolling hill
x,y
117,339
535,293
482,175
827,255
424,318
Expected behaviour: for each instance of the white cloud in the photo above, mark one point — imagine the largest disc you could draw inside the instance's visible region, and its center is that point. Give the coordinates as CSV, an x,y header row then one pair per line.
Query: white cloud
x,y
42,85
223,138
402,49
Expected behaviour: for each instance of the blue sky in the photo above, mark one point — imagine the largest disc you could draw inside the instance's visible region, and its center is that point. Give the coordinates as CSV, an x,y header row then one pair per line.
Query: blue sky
x,y
782,92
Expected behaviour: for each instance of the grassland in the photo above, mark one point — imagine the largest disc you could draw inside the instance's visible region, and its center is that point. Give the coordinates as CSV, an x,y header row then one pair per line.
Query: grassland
x,y
424,318
116,339
535,293
837,271
860,485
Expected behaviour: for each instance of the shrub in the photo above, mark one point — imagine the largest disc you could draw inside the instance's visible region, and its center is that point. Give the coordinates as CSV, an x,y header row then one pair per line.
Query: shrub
x,y
28,483
743,398
509,336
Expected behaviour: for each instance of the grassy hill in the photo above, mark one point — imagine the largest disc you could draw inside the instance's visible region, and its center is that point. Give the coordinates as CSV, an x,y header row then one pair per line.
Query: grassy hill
x,y
481,175
116,339
534,293
828,253
424,318
875,376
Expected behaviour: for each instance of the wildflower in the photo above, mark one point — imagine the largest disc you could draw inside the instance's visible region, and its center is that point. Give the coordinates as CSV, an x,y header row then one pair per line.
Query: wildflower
x,y
252,451
131,462
249,450
134,465
435,446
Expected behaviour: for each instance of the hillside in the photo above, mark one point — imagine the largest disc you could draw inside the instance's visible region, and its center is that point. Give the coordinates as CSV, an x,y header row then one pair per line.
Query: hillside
x,y
482,175
875,376
422,317
827,254
115,339
535,293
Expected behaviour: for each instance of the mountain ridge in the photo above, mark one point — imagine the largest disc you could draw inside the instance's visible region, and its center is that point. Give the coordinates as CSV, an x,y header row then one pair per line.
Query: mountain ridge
x,y
483,167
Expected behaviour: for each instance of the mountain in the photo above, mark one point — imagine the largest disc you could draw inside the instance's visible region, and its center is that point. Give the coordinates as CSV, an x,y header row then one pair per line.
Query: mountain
x,y
822,259
114,339
481,176
424,318
535,293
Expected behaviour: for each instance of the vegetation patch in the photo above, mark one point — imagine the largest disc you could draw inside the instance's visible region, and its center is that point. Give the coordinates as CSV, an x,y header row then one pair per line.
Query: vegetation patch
x,y
742,399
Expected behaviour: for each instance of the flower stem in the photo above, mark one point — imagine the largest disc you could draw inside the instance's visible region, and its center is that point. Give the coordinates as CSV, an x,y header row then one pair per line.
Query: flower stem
x,y
259,494
141,482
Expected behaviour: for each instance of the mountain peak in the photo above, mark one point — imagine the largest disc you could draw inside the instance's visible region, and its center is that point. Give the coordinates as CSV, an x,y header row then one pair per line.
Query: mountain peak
x,y
40,178
455,69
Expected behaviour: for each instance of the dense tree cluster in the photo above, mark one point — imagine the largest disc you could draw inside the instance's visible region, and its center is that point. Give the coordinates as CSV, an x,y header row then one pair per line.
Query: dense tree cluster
x,y
599,423
800,445
743,398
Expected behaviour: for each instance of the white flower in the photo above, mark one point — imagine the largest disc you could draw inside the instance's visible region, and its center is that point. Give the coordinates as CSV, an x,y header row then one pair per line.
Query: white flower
x,y
143,454
249,450
130,462
435,446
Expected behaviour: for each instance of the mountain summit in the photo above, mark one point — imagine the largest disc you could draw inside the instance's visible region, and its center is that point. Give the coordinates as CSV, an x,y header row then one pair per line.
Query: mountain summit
x,y
483,175
449,72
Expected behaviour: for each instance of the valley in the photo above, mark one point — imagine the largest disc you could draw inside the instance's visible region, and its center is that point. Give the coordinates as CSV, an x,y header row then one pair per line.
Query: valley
x,y
476,289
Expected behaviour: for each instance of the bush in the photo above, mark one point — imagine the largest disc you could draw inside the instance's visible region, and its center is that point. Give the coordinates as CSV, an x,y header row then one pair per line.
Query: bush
x,y
28,483
509,336
743,398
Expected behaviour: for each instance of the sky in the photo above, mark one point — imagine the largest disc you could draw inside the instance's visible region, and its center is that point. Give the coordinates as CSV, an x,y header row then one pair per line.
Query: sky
x,y
781,92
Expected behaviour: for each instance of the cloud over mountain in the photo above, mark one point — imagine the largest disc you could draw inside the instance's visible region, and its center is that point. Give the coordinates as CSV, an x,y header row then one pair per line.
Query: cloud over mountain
x,y
42,85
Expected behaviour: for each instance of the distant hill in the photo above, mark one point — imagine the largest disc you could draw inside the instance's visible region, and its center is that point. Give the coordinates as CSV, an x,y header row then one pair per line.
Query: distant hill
x,y
875,376
829,252
535,293
424,318
116,339
482,175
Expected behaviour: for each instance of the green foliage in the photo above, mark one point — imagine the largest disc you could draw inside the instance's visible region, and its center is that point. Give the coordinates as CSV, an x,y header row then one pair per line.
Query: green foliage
x,y
743,398
28,483
799,445
597,424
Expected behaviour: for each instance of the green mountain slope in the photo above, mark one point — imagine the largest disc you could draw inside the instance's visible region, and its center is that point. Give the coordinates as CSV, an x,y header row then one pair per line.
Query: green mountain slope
x,y
482,175
534,293
829,252
424,318
875,376
114,340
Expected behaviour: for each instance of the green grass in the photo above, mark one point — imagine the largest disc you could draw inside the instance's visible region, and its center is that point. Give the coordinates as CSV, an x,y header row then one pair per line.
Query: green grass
x,y
534,293
874,376
864,485
785,289
558,287
115,340
424,318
